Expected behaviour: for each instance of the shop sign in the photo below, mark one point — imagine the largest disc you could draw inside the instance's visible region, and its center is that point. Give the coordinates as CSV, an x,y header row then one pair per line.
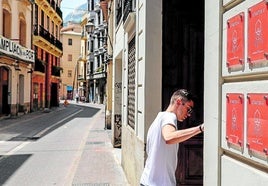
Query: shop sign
x,y
258,33
235,41
235,119
14,49
257,123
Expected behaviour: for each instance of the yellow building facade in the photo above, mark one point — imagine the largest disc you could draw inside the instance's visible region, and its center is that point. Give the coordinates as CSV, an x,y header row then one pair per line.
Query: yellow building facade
x,y
71,40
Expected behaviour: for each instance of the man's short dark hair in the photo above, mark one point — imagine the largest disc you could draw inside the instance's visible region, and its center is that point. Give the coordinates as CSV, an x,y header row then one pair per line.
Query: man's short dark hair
x,y
184,94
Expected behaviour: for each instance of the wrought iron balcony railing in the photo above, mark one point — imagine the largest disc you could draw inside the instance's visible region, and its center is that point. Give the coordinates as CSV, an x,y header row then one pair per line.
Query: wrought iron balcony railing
x,y
56,71
40,31
127,8
55,7
124,7
39,65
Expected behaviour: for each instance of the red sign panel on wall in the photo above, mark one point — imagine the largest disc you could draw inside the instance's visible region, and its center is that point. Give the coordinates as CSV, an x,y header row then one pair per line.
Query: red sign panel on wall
x,y
257,123
235,119
235,40
258,33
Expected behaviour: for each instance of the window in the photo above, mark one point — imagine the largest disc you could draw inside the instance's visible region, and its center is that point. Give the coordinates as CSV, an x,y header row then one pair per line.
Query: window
x,y
70,42
70,57
52,26
48,24
57,32
42,18
6,24
91,46
36,15
92,5
22,32
69,73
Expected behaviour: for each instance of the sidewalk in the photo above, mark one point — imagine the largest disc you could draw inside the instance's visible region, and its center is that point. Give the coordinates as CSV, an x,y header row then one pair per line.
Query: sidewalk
x,y
78,153
100,163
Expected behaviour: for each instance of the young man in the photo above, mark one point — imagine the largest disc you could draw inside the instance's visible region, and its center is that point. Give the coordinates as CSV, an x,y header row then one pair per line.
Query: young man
x,y
163,140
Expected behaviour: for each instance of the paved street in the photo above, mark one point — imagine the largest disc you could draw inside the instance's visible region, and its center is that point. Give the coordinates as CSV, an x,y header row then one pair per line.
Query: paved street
x,y
78,152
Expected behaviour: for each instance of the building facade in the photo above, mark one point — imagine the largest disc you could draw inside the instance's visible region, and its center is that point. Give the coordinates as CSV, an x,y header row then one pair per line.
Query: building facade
x,y
82,67
47,23
235,82
109,14
96,57
71,41
217,50
16,57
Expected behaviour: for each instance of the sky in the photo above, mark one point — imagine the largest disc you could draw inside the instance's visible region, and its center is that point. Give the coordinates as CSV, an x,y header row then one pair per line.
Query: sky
x,y
68,6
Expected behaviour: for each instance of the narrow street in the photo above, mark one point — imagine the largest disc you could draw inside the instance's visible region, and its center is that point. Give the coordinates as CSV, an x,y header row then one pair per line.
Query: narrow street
x,y
66,146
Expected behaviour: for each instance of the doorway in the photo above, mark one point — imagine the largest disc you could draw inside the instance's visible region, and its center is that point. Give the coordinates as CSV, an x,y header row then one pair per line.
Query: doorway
x,y
183,67
54,95
4,106
21,93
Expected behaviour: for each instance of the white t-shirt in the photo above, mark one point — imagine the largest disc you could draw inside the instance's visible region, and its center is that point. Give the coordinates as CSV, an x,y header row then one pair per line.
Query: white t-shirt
x,y
161,162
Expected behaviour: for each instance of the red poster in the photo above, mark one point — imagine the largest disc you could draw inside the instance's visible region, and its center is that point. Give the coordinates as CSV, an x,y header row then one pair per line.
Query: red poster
x,y
258,33
257,123
235,41
235,119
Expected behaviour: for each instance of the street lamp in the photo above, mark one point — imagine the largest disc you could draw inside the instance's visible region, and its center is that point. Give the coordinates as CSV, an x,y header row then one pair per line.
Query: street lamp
x,y
90,27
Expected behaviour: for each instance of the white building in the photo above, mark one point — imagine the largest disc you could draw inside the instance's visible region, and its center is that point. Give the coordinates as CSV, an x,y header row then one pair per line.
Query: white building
x,y
160,46
96,61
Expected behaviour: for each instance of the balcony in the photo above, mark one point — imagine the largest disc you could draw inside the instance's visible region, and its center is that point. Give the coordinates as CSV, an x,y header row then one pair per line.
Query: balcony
x,y
44,39
102,26
96,52
39,65
128,7
81,77
84,35
51,8
118,12
55,71
124,7
97,75
55,7
59,12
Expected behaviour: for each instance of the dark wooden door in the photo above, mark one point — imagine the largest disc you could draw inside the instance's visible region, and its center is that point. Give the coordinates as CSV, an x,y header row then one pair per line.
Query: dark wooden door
x,y
183,67
4,106
54,95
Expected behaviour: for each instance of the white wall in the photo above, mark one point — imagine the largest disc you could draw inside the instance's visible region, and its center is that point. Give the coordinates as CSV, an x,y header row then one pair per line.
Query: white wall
x,y
211,93
225,164
148,39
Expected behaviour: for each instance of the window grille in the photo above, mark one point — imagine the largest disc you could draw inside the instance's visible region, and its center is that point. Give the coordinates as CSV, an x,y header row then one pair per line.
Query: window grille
x,y
131,83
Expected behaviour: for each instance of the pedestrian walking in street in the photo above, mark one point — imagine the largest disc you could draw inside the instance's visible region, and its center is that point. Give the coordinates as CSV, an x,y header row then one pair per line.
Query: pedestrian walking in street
x,y
77,97
163,140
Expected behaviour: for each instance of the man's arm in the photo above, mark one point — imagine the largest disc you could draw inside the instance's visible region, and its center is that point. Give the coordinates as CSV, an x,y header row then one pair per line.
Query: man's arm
x,y
172,136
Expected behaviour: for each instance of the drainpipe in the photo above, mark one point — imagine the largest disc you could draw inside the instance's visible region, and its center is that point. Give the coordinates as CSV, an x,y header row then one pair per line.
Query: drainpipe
x,y
31,88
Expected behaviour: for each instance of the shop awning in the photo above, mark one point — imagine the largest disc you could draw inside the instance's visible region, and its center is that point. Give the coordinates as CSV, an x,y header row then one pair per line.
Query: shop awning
x,y
69,88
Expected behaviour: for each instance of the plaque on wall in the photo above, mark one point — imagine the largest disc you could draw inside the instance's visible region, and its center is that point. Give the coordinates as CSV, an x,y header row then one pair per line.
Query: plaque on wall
x,y
235,41
235,119
257,123
258,35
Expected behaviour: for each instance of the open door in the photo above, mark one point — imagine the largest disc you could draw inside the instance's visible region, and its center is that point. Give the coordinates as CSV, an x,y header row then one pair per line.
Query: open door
x,y
4,105
183,67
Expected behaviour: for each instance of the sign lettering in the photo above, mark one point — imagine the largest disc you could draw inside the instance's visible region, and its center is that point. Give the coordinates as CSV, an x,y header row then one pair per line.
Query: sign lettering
x,y
11,48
